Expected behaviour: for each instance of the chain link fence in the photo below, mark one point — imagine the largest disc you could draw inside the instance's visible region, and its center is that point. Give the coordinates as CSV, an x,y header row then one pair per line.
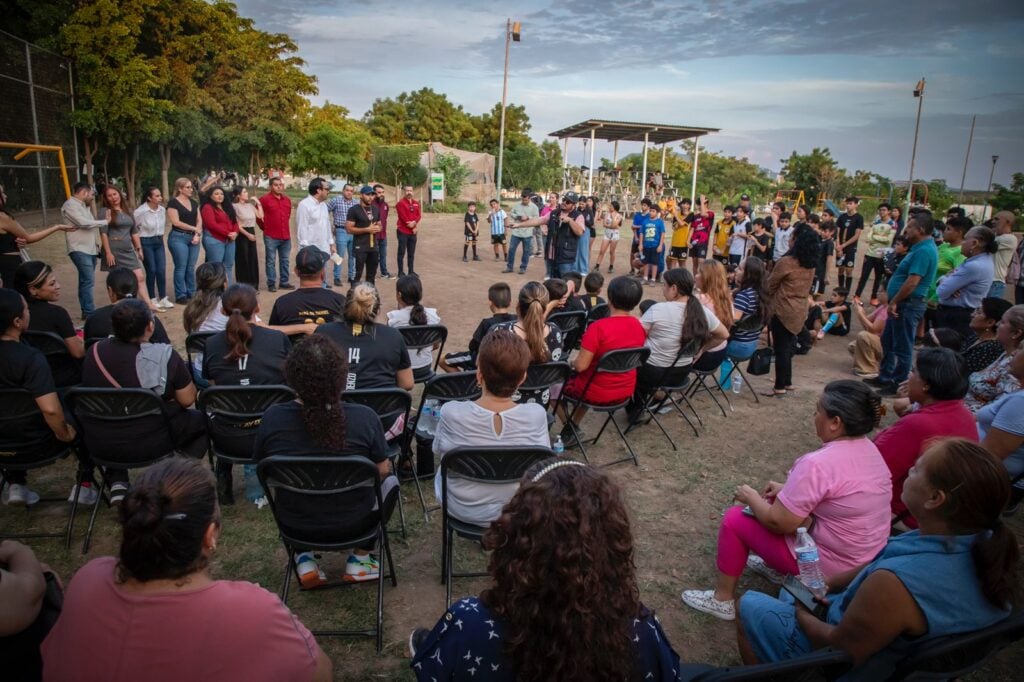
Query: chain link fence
x,y
36,96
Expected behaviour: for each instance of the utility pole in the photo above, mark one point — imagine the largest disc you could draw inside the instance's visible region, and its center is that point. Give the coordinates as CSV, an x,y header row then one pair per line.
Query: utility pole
x,y
919,94
967,156
511,34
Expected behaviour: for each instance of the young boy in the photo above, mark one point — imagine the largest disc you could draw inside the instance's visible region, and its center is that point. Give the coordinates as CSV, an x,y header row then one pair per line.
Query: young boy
x,y
837,315
470,230
761,242
783,231
700,233
499,297
593,284
739,238
574,281
558,293
826,249
498,218
848,229
680,244
723,231
653,244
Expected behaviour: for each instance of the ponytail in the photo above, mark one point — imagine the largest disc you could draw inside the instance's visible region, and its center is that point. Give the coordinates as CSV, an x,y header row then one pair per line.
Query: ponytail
x,y
696,331
533,302
410,289
239,303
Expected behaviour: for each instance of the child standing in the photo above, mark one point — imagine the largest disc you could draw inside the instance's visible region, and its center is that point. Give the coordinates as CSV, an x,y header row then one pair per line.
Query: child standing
x,y
680,246
700,232
761,242
826,249
653,243
783,232
740,235
723,230
471,231
498,217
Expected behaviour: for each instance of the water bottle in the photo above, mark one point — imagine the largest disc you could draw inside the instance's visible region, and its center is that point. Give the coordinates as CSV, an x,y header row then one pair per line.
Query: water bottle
x,y
253,489
724,377
558,446
809,563
737,384
428,419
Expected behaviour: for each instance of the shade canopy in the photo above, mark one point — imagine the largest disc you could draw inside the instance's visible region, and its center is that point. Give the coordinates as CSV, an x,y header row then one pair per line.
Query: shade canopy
x,y
613,131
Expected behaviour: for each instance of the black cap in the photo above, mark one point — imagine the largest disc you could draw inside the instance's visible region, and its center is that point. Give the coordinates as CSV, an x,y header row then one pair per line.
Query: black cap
x,y
570,197
310,260
744,197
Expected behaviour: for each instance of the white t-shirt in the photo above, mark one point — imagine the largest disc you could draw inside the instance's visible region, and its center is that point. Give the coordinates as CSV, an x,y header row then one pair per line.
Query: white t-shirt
x,y
738,245
1006,244
782,241
664,324
400,318
464,423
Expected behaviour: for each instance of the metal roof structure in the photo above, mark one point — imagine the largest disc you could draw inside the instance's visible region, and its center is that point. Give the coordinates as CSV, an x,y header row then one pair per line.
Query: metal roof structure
x,y
614,131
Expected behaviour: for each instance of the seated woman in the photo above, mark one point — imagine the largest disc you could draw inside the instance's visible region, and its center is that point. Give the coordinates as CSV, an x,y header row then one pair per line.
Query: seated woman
x,y
24,622
155,612
409,292
617,331
957,574
319,423
36,281
114,363
1001,430
712,284
377,354
491,420
841,492
121,284
564,602
982,347
996,380
543,338
748,302
937,385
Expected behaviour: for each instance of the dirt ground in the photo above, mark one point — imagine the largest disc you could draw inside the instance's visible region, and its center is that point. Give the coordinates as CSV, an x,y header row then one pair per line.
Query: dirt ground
x,y
676,496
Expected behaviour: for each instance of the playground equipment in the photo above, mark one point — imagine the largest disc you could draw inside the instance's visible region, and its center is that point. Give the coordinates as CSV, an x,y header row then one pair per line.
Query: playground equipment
x,y
791,198
26,148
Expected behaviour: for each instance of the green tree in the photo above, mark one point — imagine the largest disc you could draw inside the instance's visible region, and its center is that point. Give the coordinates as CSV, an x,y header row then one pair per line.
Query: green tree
x,y
331,143
421,116
1009,198
815,173
399,163
488,126
455,174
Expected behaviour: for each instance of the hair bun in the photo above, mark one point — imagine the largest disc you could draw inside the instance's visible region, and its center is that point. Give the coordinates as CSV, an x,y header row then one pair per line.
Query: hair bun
x,y
143,509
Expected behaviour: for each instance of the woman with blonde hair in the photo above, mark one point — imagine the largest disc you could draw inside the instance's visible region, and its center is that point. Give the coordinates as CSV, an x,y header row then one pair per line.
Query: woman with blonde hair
x,y
183,239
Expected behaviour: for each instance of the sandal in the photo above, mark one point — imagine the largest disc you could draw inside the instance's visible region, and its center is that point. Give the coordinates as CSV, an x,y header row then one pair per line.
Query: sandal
x,y
773,393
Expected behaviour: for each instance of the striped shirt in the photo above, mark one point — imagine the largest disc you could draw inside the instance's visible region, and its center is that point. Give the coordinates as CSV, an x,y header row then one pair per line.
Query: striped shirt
x,y
498,222
339,206
747,303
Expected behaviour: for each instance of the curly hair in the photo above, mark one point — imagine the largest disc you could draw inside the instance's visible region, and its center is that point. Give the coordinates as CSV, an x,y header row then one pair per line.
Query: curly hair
x,y
804,246
564,579
317,370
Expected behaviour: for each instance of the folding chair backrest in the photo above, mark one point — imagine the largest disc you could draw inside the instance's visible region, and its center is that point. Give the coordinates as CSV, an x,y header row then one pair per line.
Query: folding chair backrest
x,y
424,336
622,360
452,386
571,322
545,375
825,664
233,415
195,344
110,407
52,346
26,441
598,312
492,464
388,403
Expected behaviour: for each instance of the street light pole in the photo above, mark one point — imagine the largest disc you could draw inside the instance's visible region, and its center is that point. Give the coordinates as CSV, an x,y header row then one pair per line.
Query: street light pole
x,y
967,157
511,33
991,175
919,94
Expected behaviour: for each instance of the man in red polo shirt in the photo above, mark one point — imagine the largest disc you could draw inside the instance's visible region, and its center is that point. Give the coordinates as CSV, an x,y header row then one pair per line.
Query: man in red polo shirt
x,y
409,215
277,234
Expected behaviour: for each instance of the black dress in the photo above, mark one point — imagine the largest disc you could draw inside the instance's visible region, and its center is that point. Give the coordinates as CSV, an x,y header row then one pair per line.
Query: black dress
x,y
247,266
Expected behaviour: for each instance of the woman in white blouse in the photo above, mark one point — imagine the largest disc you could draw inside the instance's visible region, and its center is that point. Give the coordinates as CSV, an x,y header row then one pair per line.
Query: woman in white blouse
x,y
151,217
247,211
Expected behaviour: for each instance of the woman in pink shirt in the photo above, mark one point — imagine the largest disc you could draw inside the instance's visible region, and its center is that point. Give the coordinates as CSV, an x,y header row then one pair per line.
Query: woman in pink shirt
x,y
156,614
840,492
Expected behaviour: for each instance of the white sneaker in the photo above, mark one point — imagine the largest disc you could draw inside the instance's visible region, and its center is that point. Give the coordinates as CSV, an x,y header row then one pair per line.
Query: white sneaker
x,y
87,495
757,565
165,303
704,600
18,495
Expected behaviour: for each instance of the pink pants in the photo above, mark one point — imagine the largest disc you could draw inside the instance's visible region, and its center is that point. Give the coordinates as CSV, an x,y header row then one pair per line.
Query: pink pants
x,y
740,534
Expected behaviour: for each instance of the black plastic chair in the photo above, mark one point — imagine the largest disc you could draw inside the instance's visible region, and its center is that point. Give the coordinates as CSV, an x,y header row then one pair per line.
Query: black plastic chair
x,y
233,415
21,416
826,664
494,465
598,312
572,324
195,344
308,486
543,375
613,362
703,372
52,346
390,404
111,407
747,323
418,337
953,656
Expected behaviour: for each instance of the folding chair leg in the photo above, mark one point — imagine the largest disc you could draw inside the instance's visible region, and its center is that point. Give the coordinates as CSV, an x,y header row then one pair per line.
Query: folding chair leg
x,y
401,511
289,568
746,382
79,477
423,500
448,570
603,427
657,421
95,509
629,446
682,413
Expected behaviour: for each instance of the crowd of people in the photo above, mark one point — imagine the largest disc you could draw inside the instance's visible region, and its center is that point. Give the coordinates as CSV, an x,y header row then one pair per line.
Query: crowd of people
x,y
921,498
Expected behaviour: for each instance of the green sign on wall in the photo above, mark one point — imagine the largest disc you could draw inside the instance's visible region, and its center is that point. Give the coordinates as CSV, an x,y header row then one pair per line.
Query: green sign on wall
x,y
437,186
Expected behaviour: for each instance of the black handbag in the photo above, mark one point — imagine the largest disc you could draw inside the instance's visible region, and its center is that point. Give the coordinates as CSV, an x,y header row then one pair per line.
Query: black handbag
x,y
761,361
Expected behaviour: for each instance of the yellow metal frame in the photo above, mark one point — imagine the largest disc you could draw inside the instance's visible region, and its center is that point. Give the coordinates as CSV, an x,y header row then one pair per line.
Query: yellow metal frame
x,y
26,149
791,195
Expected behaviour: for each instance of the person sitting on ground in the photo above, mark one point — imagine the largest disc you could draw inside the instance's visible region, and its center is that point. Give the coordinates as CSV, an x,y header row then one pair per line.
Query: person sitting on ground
x,y
1001,430
311,303
592,283
618,331
24,367
154,611
491,420
409,294
377,356
996,380
320,423
982,348
582,621
842,491
499,298
957,574
712,284
866,347
121,284
130,360
37,283
835,318
937,384
543,338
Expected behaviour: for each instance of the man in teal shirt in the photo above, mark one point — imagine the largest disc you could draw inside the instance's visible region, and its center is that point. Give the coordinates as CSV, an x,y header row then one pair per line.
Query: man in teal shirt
x,y
907,289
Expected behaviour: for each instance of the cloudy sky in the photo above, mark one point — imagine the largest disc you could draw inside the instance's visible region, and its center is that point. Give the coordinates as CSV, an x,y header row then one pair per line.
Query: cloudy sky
x,y
774,75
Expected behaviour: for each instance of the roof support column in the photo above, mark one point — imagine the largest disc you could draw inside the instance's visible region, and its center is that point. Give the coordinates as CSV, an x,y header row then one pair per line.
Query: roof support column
x,y
615,155
663,148
565,163
590,176
696,156
643,173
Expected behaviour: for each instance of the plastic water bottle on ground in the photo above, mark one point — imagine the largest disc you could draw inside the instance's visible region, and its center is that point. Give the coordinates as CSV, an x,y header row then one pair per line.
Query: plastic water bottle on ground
x,y
253,489
809,562
737,384
558,446
428,419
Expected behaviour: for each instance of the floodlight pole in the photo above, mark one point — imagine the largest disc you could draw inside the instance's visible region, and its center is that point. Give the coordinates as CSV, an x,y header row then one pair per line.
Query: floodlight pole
x,y
919,94
967,156
988,190
504,99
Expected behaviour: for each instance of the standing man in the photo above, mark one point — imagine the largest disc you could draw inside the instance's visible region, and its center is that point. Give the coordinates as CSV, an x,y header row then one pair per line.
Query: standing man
x,y
880,236
745,203
339,208
848,229
313,222
82,244
1006,244
363,223
906,290
521,212
277,234
384,209
409,215
565,227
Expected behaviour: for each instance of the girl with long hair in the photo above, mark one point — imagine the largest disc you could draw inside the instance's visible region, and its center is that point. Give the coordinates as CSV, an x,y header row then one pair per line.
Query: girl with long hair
x,y
151,217
542,337
37,283
183,241
120,242
247,212
220,231
713,291
611,219
409,294
203,312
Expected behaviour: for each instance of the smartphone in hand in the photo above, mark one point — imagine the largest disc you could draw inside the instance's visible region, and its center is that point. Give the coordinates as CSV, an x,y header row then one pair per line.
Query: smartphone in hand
x,y
803,595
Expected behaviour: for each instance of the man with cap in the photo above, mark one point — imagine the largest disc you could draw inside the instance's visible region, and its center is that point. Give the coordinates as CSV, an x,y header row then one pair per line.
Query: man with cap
x,y
311,303
521,233
312,220
363,224
565,226
745,203
409,215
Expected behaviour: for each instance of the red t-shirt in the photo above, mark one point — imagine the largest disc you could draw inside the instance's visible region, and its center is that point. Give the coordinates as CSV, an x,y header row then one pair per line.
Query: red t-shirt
x,y
906,440
408,212
277,211
217,223
228,630
611,333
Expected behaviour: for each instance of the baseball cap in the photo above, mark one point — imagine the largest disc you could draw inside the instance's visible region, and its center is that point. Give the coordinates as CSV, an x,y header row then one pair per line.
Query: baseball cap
x,y
366,189
310,260
570,197
744,197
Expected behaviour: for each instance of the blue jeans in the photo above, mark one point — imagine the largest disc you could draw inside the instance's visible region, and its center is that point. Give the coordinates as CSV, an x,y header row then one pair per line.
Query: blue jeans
x,y
516,241
277,250
343,242
155,261
185,254
582,264
565,268
997,289
898,341
86,266
383,264
220,252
